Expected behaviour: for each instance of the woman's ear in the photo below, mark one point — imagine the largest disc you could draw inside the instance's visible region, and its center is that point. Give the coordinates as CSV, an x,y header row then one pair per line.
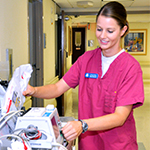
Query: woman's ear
x,y
123,30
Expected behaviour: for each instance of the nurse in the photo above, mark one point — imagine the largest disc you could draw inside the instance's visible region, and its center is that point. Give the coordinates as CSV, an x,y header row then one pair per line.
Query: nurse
x,y
110,88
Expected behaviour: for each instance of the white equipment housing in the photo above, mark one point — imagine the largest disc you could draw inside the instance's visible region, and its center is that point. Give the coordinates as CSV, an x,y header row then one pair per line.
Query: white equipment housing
x,y
48,123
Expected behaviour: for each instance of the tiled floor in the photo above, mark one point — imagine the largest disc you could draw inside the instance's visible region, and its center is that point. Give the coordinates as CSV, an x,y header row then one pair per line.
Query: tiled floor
x,y
142,118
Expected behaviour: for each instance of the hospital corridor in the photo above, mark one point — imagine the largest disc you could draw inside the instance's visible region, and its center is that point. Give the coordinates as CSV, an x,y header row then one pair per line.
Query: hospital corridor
x,y
47,38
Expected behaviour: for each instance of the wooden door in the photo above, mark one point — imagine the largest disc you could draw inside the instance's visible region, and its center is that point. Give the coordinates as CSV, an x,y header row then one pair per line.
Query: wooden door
x,y
78,43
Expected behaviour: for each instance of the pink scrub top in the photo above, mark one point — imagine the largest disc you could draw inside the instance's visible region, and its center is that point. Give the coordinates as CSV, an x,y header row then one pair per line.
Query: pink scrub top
x,y
121,85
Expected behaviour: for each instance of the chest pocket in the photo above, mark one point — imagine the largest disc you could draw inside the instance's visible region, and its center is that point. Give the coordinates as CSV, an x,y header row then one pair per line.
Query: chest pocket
x,y
109,102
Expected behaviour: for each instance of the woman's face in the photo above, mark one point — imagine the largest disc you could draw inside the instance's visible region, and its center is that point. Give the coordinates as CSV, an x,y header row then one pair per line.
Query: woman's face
x,y
108,33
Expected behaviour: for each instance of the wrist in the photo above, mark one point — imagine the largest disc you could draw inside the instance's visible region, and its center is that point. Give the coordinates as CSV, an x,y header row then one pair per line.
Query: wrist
x,y
84,126
34,91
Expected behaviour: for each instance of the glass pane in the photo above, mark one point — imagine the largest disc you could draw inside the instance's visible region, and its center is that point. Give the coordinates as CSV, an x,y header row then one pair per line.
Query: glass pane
x,y
77,38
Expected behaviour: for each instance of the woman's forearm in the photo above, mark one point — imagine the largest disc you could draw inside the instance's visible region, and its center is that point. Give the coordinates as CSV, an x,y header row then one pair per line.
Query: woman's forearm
x,y
47,91
51,90
109,121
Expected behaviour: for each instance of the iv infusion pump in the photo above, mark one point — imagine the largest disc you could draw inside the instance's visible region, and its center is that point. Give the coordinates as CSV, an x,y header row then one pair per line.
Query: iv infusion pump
x,y
46,123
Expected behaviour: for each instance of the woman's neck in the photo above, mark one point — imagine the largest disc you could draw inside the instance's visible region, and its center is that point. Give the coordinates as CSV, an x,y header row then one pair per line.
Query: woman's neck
x,y
108,53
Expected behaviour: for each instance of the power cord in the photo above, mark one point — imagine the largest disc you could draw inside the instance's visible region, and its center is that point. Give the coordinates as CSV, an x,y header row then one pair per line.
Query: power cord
x,y
13,113
13,138
30,133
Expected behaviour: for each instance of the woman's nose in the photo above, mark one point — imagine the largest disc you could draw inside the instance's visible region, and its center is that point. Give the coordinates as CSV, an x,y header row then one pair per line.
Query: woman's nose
x,y
103,34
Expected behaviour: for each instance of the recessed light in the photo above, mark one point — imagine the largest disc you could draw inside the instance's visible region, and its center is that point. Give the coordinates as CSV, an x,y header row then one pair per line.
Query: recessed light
x,y
85,4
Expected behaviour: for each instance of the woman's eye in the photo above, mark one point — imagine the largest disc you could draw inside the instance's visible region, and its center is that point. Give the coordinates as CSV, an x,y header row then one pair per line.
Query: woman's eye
x,y
110,31
99,29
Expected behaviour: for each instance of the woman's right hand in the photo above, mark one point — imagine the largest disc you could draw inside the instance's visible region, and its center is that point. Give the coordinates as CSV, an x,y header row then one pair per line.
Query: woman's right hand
x,y
29,91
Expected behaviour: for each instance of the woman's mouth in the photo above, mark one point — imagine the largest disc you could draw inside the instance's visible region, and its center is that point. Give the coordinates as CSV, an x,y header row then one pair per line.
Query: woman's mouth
x,y
103,42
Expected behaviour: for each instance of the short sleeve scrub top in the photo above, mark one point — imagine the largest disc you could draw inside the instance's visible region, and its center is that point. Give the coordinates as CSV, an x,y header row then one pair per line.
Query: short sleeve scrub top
x,y
121,85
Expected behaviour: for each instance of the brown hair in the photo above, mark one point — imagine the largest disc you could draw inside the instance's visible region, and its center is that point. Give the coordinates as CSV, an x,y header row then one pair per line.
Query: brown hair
x,y
117,11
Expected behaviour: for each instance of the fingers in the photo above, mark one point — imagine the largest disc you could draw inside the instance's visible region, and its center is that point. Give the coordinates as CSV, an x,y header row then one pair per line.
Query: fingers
x,y
72,130
29,91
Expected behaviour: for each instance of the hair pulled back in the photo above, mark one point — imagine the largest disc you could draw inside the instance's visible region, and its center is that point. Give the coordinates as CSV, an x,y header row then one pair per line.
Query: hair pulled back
x,y
117,11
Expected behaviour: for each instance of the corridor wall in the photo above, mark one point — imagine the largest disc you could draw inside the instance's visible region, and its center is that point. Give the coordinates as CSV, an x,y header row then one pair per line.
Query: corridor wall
x,y
14,31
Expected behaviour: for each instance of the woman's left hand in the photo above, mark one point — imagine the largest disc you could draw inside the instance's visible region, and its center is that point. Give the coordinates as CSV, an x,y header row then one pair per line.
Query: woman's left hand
x,y
72,130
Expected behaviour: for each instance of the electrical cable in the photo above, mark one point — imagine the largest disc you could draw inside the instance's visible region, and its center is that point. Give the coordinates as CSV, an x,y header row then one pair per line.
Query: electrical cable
x,y
29,133
26,144
24,131
13,113
32,133
6,115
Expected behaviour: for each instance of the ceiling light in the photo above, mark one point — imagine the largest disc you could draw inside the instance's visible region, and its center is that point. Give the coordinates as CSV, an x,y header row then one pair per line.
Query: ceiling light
x,y
85,4
66,18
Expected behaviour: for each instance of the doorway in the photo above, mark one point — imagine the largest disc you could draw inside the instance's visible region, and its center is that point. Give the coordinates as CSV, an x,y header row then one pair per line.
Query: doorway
x,y
78,43
35,9
61,56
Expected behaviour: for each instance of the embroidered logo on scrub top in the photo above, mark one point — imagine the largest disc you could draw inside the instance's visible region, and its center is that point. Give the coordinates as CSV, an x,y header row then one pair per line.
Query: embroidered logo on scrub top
x,y
91,75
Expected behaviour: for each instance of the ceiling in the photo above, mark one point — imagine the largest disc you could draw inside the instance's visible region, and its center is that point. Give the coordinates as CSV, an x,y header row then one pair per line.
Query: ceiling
x,y
132,6
82,16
